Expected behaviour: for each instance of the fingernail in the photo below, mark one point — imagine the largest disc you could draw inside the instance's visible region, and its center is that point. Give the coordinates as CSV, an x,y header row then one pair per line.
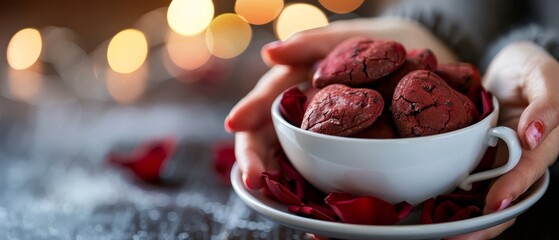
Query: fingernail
x,y
271,45
246,181
534,134
504,204
228,125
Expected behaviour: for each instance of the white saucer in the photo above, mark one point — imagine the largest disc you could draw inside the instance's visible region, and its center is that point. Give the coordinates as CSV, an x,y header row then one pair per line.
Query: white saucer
x,y
408,230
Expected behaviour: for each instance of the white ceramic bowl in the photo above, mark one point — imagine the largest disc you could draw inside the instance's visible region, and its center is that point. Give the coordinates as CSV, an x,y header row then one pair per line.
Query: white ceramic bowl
x,y
395,170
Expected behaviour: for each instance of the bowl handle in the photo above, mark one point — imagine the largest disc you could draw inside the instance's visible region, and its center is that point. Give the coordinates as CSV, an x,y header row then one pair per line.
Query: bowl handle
x,y
515,151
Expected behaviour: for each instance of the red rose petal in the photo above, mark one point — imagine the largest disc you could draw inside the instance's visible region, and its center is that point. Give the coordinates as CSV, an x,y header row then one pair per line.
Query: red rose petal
x,y
280,192
313,212
363,210
403,209
223,160
292,105
445,210
486,103
465,213
146,160
427,211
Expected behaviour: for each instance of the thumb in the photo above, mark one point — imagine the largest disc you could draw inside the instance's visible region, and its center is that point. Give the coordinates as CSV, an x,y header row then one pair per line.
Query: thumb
x,y
538,119
541,115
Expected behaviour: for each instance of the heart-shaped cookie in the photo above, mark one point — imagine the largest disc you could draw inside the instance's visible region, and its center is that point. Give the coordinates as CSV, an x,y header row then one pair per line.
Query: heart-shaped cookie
x,y
424,104
460,75
359,60
341,110
416,59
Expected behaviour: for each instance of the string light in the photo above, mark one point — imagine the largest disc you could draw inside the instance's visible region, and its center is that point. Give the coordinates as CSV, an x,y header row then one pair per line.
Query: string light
x,y
24,48
299,17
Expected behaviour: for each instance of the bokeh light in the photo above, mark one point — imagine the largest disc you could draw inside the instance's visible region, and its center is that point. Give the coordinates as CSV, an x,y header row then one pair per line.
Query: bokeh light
x,y
187,52
24,48
127,88
338,6
258,12
228,35
190,17
299,17
127,51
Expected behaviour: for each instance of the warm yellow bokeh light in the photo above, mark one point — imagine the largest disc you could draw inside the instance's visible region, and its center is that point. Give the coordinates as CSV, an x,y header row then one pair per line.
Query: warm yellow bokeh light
x,y
127,88
258,12
190,17
338,6
228,36
299,17
127,51
187,52
24,48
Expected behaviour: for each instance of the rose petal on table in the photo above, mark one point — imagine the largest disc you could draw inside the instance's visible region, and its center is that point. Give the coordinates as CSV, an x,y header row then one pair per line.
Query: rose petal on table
x,y
280,192
292,105
362,210
223,160
147,160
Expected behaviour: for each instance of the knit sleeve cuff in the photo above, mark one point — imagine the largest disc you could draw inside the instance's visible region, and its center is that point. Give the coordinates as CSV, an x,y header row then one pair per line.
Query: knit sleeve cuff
x,y
546,38
443,27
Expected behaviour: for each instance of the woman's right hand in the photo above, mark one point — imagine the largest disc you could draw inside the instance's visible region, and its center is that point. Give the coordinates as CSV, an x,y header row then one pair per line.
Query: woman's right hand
x,y
290,62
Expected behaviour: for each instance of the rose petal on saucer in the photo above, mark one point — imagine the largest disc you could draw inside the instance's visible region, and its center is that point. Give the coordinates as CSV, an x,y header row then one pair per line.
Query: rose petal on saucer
x,y
314,212
292,105
444,211
427,211
147,160
362,210
280,192
451,207
300,187
465,213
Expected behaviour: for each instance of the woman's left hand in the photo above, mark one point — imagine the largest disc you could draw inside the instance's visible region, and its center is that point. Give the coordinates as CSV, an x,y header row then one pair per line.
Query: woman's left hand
x,y
525,79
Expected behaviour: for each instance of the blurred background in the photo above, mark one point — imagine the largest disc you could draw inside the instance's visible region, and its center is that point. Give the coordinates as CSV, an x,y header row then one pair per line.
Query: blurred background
x,y
82,79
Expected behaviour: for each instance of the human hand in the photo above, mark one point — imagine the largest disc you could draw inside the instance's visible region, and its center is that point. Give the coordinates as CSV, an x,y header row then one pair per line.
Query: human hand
x,y
291,61
524,77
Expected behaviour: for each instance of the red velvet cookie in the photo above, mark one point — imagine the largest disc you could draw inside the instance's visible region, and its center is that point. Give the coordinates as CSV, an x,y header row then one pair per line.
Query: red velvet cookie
x,y
424,104
341,110
383,128
359,60
416,59
460,76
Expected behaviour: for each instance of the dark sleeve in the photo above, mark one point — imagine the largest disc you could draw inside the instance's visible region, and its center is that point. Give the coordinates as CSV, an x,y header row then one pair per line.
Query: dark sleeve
x,y
547,38
466,26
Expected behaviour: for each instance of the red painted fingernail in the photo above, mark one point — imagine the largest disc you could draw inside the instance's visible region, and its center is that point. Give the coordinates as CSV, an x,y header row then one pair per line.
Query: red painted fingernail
x,y
228,125
534,134
271,45
504,204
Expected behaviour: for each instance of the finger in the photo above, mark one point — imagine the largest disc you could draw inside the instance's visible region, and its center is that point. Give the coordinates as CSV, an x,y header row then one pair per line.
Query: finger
x,y
304,48
489,233
254,109
253,154
542,114
530,168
